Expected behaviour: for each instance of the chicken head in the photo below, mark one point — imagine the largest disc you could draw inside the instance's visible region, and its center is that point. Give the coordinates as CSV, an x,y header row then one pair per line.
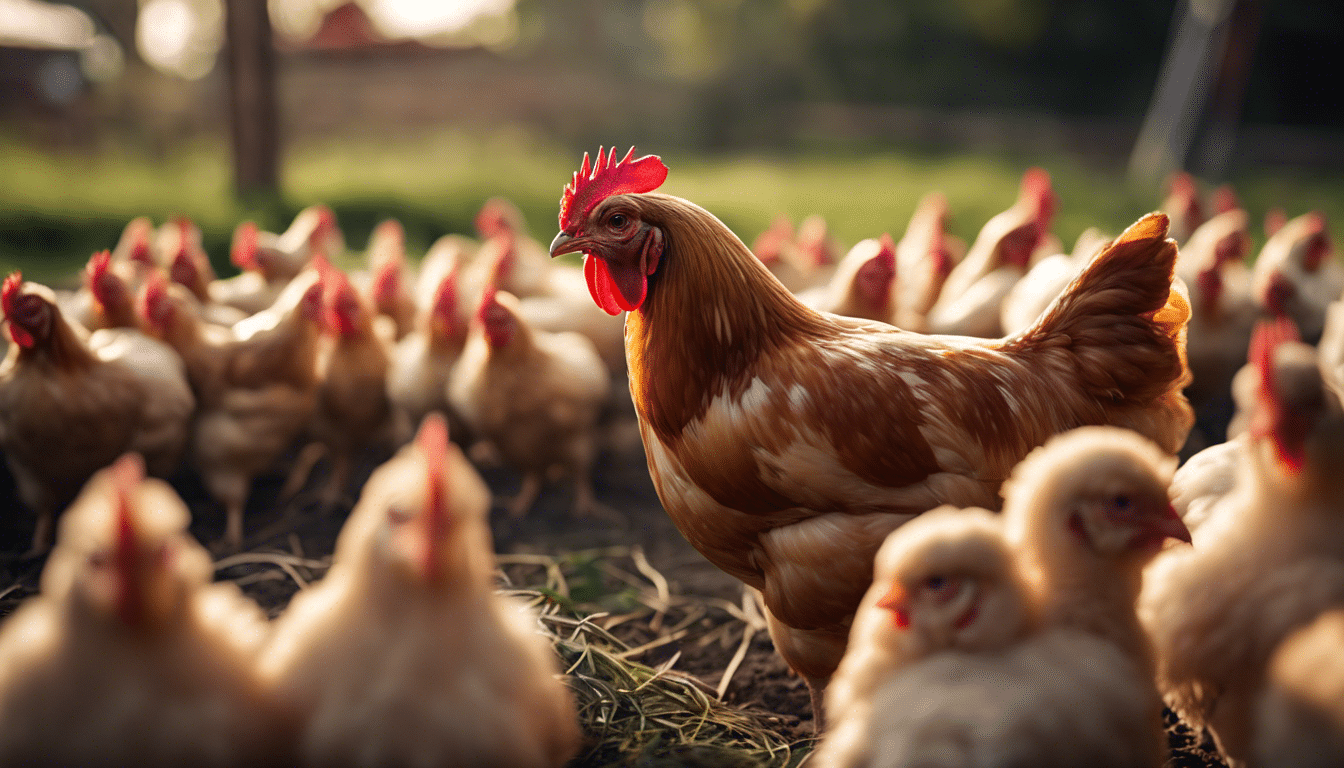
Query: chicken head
x,y
949,580
121,550
620,249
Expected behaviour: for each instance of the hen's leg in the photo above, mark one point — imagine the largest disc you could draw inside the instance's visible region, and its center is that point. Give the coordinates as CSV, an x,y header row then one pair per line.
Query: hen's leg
x,y
587,505
526,495
230,490
298,476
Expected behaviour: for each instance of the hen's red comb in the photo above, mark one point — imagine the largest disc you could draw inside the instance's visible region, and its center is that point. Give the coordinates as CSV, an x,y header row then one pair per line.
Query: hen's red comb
x,y
10,293
127,473
1225,199
97,266
154,299
1266,338
244,251
888,246
1036,188
607,177
433,442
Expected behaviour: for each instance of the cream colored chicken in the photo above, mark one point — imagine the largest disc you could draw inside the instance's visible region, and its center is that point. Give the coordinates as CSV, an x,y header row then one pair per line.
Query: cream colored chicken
x,y
130,656
70,404
354,417
255,384
403,654
1298,274
535,395
924,257
971,299
417,379
864,284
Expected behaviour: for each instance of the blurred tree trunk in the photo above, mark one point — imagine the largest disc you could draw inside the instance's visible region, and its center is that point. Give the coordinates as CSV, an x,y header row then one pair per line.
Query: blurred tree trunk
x,y
255,128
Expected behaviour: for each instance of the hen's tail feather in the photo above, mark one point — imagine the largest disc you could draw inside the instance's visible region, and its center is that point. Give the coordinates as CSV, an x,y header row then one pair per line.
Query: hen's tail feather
x,y
1123,321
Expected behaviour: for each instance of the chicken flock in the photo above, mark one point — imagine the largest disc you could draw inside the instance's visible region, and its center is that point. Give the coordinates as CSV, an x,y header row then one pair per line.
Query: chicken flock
x,y
948,472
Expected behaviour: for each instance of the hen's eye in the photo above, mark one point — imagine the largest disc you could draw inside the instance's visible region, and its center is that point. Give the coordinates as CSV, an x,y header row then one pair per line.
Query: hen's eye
x,y
1121,502
936,583
617,220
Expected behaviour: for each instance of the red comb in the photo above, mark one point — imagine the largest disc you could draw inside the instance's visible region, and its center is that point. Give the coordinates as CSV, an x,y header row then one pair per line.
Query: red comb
x,y
154,303
1036,188
608,176
326,224
1225,199
1181,184
487,300
433,442
493,218
1271,418
127,473
10,293
387,280
97,266
244,251
1266,338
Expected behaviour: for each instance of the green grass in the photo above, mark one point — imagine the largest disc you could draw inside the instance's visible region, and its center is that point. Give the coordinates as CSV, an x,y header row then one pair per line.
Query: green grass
x,y
57,209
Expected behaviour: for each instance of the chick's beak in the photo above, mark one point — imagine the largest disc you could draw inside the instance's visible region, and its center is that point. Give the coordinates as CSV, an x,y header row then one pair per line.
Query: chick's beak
x,y
560,245
897,601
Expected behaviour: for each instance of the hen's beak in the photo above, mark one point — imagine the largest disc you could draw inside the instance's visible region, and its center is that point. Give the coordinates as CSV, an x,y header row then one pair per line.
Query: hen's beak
x,y
560,245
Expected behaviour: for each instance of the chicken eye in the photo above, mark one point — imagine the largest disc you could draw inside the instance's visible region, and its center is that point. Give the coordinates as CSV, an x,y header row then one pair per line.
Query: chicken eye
x,y
618,220
1121,502
936,583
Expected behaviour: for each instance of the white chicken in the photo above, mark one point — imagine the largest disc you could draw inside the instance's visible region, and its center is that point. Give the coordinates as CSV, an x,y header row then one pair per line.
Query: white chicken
x,y
1297,274
924,257
864,284
417,378
970,302
130,656
1088,511
403,654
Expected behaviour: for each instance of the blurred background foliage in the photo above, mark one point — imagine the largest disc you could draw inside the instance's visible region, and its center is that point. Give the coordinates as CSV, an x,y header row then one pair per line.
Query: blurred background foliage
x,y
851,108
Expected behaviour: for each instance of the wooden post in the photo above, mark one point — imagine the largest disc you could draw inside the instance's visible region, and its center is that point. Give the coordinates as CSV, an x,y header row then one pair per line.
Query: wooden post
x,y
252,98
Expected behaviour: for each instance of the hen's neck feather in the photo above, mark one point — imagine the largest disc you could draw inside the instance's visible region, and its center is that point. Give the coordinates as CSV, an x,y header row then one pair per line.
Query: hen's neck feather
x,y
64,348
712,310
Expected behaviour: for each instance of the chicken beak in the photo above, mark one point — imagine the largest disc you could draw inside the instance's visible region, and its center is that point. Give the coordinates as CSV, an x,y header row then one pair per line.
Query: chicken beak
x,y
560,245
1171,526
897,600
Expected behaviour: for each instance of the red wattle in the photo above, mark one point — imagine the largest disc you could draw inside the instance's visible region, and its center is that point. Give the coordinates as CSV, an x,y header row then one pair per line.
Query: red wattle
x,y
602,286
24,339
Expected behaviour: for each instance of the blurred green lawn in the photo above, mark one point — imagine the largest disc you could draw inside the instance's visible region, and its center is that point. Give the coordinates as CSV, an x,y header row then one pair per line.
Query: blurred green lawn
x,y
55,210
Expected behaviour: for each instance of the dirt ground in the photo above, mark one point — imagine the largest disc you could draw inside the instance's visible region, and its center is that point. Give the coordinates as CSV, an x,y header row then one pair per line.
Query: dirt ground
x,y
704,649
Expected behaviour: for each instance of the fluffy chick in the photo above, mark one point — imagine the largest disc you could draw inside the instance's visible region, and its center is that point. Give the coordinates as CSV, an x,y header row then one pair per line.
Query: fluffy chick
x,y
947,666
1087,511
403,655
